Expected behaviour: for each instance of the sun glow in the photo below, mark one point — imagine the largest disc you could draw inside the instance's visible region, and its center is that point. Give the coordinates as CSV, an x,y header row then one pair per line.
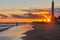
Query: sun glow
x,y
41,12
45,16
48,20
44,12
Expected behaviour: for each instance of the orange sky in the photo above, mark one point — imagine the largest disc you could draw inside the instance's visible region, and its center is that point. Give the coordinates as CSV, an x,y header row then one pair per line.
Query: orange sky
x,y
16,11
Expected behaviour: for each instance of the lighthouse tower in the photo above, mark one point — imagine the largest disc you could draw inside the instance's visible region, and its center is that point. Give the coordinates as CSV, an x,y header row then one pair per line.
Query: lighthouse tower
x,y
53,10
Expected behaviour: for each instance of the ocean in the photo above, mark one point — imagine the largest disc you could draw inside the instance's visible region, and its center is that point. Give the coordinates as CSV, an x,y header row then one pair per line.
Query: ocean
x,y
13,32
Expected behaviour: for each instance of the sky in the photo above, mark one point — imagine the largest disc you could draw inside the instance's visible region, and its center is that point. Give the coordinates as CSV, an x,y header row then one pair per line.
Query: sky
x,y
27,4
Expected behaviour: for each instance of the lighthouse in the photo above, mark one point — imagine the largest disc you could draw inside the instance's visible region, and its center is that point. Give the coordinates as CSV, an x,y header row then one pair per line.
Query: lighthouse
x,y
52,10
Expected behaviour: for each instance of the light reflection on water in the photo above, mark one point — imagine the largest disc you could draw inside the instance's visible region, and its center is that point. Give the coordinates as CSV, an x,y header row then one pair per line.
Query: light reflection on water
x,y
15,32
